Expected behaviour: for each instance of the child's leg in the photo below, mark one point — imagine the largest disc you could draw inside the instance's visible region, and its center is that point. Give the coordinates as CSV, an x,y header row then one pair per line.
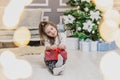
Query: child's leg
x,y
50,64
64,61
59,70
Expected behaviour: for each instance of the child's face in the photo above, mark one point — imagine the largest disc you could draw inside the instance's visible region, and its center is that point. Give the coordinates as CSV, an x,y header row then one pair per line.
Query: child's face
x,y
51,31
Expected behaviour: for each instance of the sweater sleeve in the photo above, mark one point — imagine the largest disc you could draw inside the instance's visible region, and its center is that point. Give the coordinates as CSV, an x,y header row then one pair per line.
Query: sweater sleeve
x,y
47,42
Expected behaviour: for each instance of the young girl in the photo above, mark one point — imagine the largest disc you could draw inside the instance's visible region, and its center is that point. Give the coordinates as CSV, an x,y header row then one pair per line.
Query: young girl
x,y
55,54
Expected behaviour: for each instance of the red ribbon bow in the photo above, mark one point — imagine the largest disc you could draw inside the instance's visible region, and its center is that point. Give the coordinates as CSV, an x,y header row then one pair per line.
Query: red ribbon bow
x,y
57,51
53,54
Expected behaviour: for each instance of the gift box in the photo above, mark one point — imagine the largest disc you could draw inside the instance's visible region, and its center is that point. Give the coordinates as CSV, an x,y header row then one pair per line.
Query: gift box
x,y
71,43
112,46
88,46
105,46
85,46
93,46
102,46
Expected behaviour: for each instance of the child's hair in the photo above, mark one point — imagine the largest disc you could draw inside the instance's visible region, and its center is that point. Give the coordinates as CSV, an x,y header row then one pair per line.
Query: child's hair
x,y
42,33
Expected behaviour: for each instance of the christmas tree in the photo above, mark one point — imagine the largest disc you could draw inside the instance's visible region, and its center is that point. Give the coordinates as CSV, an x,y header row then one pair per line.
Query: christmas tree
x,y
83,18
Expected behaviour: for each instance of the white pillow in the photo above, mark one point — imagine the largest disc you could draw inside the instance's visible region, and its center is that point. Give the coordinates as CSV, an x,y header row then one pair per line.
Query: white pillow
x,y
31,18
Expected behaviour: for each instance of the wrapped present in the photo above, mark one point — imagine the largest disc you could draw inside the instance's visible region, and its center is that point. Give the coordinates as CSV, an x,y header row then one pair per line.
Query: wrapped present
x,y
112,46
72,43
102,46
80,45
106,46
93,46
88,46
85,46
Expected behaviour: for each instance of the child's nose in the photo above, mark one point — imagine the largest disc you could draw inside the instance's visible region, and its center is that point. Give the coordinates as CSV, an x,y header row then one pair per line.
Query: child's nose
x,y
52,32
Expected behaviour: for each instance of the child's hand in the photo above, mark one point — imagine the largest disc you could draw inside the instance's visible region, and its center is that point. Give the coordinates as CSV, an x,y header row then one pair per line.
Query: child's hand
x,y
61,46
53,47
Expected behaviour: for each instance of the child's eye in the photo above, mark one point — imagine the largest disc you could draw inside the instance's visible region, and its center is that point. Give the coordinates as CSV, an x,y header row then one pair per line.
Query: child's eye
x,y
51,28
48,32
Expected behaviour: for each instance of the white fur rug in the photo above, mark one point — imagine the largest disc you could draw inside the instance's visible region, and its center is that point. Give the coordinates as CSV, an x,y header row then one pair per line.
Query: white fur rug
x,y
79,66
